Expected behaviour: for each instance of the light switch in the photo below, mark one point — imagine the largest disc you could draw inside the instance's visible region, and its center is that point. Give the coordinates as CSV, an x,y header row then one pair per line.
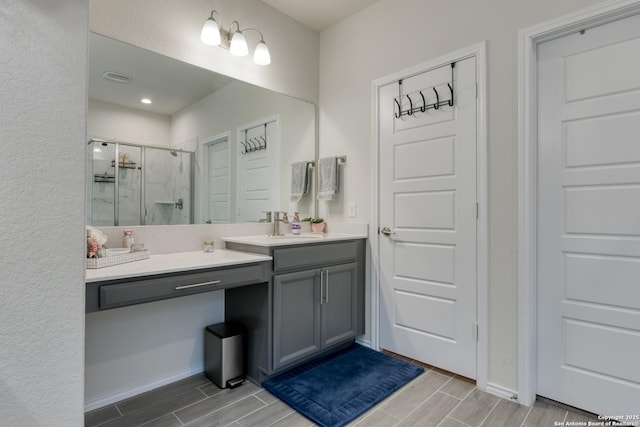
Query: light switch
x,y
352,209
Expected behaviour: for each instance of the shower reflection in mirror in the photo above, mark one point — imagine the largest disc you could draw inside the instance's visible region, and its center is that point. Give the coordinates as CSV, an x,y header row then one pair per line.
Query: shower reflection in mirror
x,y
132,184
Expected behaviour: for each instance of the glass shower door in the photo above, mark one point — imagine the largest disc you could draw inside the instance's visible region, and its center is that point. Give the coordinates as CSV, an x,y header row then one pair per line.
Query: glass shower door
x,y
102,184
129,185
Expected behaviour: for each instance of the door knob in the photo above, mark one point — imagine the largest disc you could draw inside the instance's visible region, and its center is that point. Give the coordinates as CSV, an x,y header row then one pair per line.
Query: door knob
x,y
387,232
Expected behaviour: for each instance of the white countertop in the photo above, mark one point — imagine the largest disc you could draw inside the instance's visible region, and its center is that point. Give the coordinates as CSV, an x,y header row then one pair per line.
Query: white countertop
x,y
290,239
169,263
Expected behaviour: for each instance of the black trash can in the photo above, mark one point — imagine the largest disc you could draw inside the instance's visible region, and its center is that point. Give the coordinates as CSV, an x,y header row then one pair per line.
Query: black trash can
x,y
224,354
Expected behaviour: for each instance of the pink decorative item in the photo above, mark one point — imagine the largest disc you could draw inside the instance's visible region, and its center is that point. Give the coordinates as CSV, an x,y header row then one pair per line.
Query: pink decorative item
x,y
318,227
92,248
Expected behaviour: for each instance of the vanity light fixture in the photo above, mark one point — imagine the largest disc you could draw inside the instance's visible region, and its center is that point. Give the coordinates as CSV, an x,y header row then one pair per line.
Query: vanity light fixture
x,y
214,35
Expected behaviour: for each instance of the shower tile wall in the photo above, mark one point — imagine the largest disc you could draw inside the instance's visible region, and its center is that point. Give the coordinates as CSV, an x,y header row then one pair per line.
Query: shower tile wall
x,y
167,179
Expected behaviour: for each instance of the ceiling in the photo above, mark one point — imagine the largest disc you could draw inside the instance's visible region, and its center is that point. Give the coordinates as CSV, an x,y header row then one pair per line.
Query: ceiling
x,y
169,83
319,14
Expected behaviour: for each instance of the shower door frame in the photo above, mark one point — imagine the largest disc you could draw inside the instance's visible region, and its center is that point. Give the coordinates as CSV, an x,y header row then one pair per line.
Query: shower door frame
x,y
116,191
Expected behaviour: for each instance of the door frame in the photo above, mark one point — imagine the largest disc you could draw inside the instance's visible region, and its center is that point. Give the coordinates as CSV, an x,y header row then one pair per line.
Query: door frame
x,y
482,248
528,40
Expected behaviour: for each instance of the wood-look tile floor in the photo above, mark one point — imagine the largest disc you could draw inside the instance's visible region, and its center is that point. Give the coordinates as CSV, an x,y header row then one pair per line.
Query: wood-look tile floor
x,y
436,398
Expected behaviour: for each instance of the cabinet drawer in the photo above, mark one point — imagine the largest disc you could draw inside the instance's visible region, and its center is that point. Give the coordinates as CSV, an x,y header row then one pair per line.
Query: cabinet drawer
x,y
176,285
314,255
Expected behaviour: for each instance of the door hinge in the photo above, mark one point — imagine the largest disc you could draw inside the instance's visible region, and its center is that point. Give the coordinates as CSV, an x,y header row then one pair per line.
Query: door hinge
x,y
476,90
477,330
378,230
477,210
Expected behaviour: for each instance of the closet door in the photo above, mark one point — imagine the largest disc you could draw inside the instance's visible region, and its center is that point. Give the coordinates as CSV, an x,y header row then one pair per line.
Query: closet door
x,y
588,253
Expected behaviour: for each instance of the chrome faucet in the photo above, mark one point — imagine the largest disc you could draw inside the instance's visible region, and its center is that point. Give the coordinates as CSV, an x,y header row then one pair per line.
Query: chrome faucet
x,y
277,220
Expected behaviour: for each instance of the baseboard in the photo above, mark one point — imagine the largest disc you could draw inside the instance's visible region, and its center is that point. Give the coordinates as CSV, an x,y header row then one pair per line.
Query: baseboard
x,y
90,405
364,342
504,392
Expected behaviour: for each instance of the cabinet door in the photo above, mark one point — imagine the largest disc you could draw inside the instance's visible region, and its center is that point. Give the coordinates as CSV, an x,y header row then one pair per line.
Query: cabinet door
x,y
339,305
296,313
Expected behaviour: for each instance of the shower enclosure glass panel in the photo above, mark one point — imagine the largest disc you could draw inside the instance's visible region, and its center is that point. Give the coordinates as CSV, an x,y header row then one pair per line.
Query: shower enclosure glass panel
x,y
129,190
136,185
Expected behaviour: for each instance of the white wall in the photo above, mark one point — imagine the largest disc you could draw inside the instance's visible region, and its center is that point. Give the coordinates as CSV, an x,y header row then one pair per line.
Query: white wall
x,y
110,121
130,350
238,104
43,46
173,28
390,36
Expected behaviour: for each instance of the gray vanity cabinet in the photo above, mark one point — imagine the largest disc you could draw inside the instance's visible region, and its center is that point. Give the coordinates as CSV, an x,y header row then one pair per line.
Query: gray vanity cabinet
x,y
315,308
296,316
339,311
316,304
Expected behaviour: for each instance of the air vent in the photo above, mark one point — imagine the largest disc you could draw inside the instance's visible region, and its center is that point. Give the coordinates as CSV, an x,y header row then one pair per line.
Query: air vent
x,y
116,77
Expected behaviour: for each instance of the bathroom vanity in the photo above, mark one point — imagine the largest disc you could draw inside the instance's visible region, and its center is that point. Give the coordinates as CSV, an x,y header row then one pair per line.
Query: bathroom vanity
x,y
297,297
171,276
315,299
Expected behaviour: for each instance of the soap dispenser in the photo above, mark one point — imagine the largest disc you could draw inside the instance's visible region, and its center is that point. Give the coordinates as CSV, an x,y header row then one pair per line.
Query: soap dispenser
x,y
295,224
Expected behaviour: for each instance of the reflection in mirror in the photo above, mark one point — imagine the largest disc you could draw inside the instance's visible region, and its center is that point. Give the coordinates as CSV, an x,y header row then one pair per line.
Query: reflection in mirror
x,y
146,186
235,143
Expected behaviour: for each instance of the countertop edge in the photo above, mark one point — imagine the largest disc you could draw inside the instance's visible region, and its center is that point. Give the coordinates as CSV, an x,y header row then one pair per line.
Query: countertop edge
x,y
161,264
289,241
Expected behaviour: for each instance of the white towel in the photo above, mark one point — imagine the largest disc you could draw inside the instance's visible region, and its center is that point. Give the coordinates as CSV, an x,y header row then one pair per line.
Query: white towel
x,y
299,181
327,178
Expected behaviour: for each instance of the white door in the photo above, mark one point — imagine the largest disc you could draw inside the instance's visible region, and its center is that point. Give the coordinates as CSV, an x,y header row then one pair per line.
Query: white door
x,y
257,172
428,199
588,243
219,202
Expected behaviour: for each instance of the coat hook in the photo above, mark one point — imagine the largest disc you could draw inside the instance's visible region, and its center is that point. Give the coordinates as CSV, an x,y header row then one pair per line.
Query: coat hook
x,y
451,89
399,114
424,103
437,104
410,111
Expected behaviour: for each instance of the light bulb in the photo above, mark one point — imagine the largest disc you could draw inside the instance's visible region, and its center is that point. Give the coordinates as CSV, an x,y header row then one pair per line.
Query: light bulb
x,y
261,55
210,33
238,45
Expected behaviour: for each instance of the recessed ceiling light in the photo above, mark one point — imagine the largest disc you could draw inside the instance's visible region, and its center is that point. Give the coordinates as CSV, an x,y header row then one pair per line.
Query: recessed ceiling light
x,y
145,101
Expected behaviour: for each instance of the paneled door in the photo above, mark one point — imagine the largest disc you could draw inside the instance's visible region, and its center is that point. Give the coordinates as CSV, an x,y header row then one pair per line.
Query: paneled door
x,y
257,172
428,215
588,235
218,185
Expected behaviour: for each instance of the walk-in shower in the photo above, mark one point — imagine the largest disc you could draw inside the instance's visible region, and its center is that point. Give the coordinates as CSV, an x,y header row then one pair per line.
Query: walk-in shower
x,y
132,184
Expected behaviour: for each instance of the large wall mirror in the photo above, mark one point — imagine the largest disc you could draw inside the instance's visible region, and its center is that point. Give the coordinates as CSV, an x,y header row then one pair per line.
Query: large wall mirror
x,y
206,149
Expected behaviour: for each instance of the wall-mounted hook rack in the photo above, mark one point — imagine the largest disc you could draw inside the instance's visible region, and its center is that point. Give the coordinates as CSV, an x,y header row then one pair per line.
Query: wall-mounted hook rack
x,y
435,105
250,145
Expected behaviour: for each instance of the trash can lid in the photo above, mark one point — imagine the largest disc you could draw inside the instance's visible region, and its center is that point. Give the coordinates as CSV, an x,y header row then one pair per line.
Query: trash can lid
x,y
226,330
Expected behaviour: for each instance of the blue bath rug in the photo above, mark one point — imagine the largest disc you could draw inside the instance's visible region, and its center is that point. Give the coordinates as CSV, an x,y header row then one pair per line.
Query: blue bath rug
x,y
336,389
